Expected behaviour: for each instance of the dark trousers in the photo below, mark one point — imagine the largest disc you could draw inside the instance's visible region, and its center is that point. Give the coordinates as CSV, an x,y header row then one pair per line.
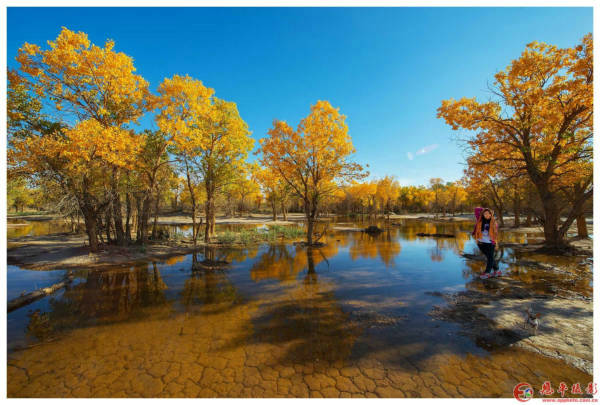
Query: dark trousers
x,y
488,250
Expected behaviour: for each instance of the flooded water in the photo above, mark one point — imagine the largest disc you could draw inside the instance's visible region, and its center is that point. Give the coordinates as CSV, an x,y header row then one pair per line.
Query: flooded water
x,y
18,228
349,319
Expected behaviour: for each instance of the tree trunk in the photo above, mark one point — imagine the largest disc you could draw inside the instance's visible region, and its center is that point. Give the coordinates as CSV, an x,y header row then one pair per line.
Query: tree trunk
x,y
283,211
91,225
128,217
309,231
274,208
144,218
498,211
193,200
517,209
310,218
209,212
138,218
582,231
155,225
107,224
553,238
116,207
194,228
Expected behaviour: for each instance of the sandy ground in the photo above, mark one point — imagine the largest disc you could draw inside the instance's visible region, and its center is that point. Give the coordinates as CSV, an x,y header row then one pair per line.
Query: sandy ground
x,y
68,251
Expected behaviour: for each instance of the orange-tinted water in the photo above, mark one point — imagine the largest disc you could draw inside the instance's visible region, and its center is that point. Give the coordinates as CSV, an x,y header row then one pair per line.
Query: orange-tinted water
x,y
349,319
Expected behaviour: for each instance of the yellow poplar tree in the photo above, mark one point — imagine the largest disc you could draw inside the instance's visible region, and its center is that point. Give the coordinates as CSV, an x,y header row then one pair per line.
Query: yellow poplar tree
x,y
312,159
539,124
96,93
208,134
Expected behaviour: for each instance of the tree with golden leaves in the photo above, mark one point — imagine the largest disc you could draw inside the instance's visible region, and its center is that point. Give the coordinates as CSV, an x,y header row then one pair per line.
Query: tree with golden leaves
x,y
95,93
275,188
387,192
539,125
362,195
455,196
312,159
242,188
209,136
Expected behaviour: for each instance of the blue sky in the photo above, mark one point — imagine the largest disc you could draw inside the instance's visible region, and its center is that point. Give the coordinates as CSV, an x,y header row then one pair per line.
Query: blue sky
x,y
387,69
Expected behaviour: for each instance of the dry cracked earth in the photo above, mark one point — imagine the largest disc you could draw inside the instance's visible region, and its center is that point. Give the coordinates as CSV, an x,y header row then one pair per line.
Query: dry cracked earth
x,y
300,345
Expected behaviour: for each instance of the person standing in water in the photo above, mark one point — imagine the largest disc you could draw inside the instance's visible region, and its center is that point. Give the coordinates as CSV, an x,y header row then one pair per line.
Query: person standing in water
x,y
486,235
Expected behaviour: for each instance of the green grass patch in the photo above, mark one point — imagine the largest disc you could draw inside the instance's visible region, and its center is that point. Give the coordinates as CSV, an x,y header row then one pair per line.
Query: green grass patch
x,y
258,235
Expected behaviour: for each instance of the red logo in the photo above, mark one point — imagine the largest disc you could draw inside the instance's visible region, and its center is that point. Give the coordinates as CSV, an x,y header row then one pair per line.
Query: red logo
x,y
523,392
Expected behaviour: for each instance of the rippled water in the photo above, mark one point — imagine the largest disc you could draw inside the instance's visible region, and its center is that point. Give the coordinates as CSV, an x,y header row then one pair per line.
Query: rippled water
x,y
348,319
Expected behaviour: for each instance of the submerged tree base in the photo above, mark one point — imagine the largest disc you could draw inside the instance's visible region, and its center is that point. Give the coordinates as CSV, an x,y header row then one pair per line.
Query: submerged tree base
x,y
374,230
208,264
312,245
437,235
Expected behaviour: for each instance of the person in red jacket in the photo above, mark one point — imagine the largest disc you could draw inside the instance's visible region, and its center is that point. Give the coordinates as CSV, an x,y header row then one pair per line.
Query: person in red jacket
x,y
486,236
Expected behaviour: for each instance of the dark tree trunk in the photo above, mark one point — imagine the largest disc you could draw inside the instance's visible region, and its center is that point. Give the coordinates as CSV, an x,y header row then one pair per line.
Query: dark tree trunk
x,y
117,211
517,210
498,209
209,208
193,200
582,231
309,231
107,218
91,224
552,235
310,212
128,217
138,218
274,208
144,218
155,225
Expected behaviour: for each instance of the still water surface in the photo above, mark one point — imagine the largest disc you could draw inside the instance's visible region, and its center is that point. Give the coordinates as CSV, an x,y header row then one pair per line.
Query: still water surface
x,y
348,319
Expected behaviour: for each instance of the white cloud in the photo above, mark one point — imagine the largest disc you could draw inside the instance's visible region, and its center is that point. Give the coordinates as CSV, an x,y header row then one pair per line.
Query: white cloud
x,y
427,149
409,155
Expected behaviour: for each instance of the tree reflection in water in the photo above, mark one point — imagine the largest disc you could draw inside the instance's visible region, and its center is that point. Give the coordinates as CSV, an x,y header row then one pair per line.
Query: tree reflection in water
x,y
104,296
307,324
208,284
369,246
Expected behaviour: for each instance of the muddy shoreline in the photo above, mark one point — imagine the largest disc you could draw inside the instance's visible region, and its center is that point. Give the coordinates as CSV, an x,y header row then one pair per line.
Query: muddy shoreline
x,y
492,313
70,251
